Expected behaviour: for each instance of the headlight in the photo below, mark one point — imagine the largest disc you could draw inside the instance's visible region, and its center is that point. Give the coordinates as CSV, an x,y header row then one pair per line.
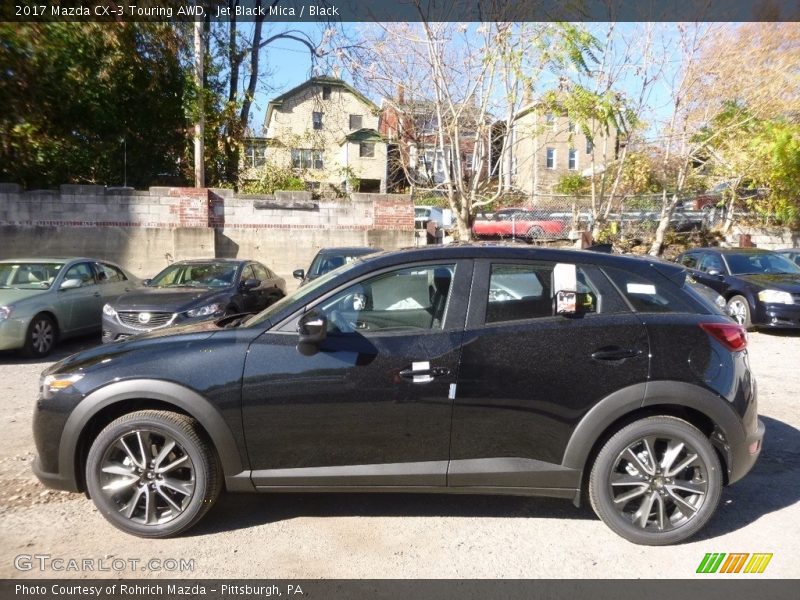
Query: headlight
x,y
109,310
5,312
55,383
775,297
204,311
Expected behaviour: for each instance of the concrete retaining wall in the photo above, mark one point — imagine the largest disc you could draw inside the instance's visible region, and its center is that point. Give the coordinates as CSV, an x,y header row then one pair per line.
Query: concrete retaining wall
x,y
146,230
768,239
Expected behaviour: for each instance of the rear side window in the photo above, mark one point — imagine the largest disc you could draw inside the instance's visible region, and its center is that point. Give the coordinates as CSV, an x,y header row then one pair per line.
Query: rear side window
x,y
689,260
653,294
518,292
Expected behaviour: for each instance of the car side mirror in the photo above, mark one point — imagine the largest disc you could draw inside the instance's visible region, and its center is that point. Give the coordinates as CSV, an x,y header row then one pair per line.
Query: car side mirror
x,y
250,284
714,272
312,331
70,284
299,274
146,281
565,286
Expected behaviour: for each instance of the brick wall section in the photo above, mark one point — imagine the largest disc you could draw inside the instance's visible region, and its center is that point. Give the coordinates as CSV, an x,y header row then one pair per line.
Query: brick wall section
x,y
144,230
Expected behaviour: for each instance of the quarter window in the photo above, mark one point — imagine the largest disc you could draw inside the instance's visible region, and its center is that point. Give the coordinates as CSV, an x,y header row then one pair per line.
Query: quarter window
x,y
414,298
649,294
108,273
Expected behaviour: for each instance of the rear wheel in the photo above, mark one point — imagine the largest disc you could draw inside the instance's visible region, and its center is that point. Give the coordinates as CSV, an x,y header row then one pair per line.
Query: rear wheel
x,y
153,473
40,339
739,310
656,482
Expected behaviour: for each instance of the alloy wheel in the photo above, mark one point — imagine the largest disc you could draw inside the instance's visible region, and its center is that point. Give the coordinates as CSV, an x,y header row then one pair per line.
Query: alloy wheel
x,y
148,476
658,483
738,311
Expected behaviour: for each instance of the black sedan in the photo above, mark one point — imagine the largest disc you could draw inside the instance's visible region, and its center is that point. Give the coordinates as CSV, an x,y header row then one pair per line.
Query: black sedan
x,y
761,288
192,290
328,259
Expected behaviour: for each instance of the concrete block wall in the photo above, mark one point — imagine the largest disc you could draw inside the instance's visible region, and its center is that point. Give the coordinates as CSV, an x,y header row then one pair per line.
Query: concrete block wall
x,y
766,238
146,230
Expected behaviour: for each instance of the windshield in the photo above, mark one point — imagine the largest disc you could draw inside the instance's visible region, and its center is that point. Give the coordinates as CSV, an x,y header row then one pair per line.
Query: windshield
x,y
300,293
323,263
28,276
741,264
208,275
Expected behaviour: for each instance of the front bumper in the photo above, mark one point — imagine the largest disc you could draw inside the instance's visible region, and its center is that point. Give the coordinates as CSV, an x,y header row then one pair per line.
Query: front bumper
x,y
12,333
777,315
116,331
56,481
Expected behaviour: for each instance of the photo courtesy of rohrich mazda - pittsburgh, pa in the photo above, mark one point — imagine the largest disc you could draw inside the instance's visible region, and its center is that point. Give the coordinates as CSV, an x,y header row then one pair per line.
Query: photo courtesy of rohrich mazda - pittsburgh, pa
x,y
453,369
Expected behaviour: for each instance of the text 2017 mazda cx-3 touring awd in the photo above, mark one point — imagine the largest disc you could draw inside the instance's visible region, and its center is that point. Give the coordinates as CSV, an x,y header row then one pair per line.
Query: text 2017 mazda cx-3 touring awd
x,y
486,370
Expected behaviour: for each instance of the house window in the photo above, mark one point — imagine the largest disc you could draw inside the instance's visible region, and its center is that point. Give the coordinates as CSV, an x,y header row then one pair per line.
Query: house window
x,y
366,149
571,127
551,158
255,155
316,119
589,146
572,163
304,158
550,119
355,122
326,92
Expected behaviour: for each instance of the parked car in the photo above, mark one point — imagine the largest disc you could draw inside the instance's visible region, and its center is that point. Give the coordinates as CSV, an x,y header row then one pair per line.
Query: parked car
x,y
45,300
461,369
793,254
716,196
192,290
761,288
443,217
328,259
525,225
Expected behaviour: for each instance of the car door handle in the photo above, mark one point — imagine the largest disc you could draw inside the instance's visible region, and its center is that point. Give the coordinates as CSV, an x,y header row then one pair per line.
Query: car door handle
x,y
615,353
428,374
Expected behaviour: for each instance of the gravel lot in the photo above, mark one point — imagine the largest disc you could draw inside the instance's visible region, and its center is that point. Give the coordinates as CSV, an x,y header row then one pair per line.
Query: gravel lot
x,y
404,536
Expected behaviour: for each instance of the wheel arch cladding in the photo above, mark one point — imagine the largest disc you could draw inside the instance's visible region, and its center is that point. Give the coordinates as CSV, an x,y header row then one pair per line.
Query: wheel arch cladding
x,y
698,406
107,403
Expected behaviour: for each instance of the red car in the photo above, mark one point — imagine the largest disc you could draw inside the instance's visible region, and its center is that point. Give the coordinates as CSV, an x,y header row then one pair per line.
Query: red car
x,y
521,224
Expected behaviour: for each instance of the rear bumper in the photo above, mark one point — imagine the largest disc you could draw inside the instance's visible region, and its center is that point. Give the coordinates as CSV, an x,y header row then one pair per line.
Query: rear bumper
x,y
745,454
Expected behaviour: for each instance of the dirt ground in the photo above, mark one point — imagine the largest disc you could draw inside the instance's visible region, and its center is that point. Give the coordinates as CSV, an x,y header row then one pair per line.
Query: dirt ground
x,y
396,536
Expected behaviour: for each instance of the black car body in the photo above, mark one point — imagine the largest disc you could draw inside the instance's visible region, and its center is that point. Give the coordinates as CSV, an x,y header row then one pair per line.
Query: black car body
x,y
190,291
761,288
445,369
328,259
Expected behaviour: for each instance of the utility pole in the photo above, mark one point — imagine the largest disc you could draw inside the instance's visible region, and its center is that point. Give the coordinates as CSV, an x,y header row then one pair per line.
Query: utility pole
x,y
200,125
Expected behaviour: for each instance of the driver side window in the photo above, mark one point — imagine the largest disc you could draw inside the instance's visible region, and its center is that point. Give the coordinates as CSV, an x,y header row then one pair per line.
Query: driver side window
x,y
407,299
81,271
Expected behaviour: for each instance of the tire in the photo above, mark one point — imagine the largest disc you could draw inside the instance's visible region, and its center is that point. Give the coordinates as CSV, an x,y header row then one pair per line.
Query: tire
x,y
679,502
535,233
41,337
143,501
738,309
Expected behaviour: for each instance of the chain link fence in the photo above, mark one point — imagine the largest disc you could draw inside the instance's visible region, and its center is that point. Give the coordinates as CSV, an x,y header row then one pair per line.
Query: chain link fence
x,y
631,219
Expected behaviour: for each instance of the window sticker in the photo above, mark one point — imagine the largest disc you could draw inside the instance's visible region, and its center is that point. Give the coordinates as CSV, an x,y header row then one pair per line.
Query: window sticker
x,y
641,288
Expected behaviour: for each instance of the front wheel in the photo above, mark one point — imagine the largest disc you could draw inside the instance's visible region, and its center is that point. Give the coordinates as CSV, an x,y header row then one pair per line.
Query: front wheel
x,y
656,482
40,339
153,473
739,310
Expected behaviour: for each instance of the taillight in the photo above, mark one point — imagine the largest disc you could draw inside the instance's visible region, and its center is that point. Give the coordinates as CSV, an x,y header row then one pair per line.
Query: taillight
x,y
731,335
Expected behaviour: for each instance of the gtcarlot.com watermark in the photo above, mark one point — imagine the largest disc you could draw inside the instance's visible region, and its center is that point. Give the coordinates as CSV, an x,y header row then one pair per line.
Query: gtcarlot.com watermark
x,y
111,564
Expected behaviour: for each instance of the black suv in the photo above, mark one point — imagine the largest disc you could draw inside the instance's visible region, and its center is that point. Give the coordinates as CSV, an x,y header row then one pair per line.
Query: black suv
x,y
462,369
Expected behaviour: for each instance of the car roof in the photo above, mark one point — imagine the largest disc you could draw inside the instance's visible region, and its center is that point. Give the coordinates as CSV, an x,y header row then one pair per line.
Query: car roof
x,y
203,261
350,250
51,259
793,250
517,251
731,250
